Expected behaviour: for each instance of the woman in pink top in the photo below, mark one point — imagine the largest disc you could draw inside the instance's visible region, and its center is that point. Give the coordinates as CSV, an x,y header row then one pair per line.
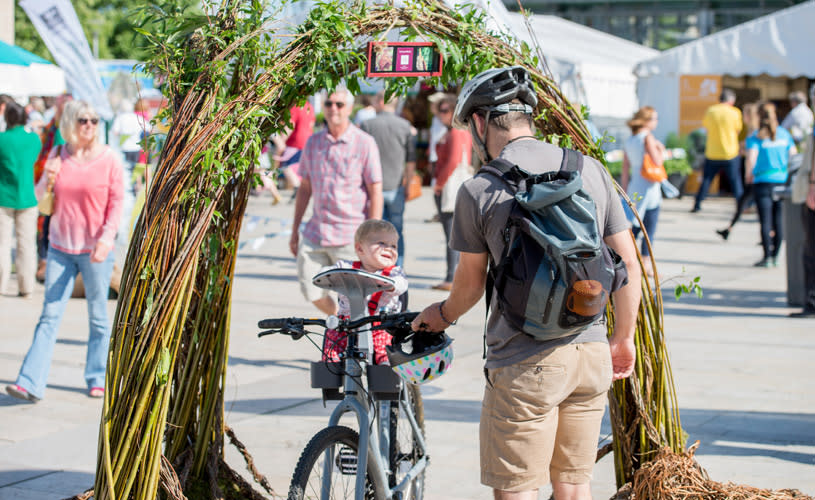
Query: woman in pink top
x,y
86,178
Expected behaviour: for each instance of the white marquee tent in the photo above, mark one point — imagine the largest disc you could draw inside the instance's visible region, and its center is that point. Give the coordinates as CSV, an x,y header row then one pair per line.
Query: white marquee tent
x,y
592,67
25,74
779,44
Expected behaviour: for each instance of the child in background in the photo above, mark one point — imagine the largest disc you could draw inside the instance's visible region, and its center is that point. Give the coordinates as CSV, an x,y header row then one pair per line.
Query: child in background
x,y
375,243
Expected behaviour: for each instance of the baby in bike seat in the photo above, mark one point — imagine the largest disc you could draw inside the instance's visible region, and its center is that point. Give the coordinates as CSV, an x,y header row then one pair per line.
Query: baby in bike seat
x,y
375,245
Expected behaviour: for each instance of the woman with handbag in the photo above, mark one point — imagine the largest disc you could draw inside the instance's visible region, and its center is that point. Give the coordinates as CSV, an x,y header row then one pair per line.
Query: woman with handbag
x,y
768,153
453,156
85,178
643,174
18,205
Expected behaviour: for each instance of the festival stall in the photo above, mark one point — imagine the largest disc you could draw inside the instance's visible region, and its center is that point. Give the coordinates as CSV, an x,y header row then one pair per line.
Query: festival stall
x,y
591,67
763,59
26,74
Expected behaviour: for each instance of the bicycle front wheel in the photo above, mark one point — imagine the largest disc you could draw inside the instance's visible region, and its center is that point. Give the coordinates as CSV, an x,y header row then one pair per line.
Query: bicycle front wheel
x,y
404,448
332,454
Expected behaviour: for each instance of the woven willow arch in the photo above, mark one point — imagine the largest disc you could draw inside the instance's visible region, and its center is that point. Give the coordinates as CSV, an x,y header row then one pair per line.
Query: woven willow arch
x,y
163,410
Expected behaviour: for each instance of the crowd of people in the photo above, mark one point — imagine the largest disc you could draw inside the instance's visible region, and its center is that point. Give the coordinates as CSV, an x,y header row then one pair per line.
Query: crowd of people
x,y
354,174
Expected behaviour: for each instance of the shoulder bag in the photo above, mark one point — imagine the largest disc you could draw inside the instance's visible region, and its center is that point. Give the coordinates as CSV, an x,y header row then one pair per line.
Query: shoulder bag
x,y
652,171
450,189
46,204
414,188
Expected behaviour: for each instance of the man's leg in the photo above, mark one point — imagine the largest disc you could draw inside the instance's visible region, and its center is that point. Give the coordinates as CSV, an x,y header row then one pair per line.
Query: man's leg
x,y
326,305
579,419
26,249
571,491
711,168
6,237
734,178
310,259
515,495
519,418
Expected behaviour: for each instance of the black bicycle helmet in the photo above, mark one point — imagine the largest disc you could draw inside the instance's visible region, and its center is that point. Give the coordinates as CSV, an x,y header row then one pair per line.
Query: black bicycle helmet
x,y
428,357
493,90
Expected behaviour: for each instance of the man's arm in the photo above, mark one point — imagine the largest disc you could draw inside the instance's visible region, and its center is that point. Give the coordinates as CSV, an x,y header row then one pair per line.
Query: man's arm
x,y
626,304
468,286
375,201
300,205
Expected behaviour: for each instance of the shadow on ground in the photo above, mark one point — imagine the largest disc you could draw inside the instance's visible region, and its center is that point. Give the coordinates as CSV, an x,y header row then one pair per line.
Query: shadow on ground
x,y
724,302
52,483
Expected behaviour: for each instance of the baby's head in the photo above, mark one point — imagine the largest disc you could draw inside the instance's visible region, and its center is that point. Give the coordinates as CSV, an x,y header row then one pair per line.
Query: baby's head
x,y
375,243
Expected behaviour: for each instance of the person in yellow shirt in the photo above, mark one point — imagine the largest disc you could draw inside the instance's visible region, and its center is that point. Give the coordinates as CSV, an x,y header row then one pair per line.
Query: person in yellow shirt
x,y
723,124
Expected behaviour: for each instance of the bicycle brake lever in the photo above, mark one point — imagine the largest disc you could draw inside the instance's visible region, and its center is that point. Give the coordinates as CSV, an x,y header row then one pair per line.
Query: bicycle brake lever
x,y
297,333
267,332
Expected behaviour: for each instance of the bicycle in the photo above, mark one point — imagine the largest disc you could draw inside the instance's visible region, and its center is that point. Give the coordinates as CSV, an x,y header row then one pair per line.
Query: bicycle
x,y
392,451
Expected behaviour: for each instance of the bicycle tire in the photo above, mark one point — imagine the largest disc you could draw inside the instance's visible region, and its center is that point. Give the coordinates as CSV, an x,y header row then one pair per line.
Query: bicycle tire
x,y
306,482
404,450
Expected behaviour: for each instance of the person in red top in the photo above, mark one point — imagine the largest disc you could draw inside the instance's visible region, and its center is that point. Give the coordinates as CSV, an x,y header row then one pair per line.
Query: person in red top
x,y
290,143
453,149
50,137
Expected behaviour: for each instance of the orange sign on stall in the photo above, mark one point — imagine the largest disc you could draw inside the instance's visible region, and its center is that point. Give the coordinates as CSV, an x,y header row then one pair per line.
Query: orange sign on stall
x,y
696,94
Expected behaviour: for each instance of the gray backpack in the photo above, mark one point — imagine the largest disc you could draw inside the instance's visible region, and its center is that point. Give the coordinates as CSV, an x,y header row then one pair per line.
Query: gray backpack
x,y
556,274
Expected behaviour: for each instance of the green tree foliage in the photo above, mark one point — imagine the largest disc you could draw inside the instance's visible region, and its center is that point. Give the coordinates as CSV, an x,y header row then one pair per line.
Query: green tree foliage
x,y
110,22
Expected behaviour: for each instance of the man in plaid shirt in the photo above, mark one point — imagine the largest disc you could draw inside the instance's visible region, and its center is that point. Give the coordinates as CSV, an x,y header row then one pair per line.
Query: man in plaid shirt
x,y
340,170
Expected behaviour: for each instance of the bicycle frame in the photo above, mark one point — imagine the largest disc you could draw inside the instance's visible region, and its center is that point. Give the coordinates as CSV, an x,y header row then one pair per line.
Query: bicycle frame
x,y
356,286
370,442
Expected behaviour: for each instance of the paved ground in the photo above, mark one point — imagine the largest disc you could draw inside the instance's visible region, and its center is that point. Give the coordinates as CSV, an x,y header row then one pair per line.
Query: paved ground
x,y
743,370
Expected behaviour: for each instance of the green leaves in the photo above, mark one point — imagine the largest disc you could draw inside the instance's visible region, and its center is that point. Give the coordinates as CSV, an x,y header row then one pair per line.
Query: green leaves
x,y
691,287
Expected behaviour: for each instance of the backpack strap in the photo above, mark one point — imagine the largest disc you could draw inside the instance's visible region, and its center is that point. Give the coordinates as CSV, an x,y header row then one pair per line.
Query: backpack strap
x,y
507,172
504,170
572,161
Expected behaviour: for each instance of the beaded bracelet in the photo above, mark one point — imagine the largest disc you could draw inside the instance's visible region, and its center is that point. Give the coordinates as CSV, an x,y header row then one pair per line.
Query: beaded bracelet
x,y
441,313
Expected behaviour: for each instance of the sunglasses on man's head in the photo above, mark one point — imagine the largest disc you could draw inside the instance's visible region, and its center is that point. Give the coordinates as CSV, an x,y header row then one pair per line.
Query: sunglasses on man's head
x,y
444,110
84,121
338,104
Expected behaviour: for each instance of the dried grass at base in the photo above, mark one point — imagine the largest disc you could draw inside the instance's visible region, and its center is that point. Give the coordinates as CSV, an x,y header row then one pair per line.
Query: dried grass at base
x,y
674,476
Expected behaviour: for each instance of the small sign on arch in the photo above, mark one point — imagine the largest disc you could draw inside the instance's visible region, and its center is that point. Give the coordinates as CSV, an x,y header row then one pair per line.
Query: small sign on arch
x,y
391,59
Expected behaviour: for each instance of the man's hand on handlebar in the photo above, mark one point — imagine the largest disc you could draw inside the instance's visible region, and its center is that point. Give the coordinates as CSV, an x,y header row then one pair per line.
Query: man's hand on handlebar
x,y
430,320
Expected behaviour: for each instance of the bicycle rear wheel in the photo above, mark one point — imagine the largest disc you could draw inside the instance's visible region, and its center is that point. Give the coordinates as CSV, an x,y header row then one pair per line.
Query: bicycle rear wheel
x,y
404,449
339,445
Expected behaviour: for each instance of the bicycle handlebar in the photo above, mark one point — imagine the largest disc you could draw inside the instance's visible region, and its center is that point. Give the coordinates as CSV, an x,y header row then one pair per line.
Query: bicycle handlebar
x,y
278,323
295,326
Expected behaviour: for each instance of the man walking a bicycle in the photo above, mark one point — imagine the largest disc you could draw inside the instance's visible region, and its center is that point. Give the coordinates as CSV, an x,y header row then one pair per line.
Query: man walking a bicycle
x,y
544,399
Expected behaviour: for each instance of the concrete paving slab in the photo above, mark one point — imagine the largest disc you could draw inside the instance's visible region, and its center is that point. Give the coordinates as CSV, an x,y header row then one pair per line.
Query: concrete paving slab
x,y
743,370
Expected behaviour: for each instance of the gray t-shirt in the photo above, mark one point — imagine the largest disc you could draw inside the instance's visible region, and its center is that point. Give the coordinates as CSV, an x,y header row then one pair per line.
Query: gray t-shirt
x,y
396,146
482,207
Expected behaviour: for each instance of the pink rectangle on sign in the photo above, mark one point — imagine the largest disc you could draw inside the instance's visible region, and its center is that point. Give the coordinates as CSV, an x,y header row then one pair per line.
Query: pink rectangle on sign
x,y
404,59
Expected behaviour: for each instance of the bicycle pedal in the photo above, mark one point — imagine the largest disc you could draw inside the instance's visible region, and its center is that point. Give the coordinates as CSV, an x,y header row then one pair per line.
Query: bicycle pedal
x,y
347,461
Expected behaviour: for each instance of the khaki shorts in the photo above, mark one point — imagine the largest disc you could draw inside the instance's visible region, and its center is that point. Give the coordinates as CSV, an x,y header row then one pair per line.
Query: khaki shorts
x,y
311,258
540,420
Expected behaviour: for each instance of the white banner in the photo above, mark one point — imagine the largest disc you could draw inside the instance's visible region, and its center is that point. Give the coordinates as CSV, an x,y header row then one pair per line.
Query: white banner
x,y
59,28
